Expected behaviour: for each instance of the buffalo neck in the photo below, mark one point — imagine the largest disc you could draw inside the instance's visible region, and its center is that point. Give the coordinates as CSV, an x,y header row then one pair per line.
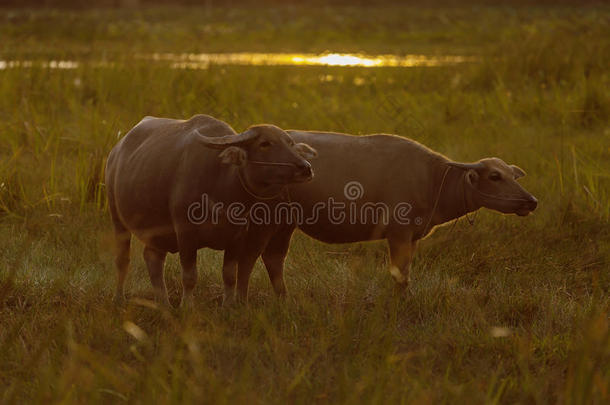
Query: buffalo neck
x,y
254,191
229,186
452,201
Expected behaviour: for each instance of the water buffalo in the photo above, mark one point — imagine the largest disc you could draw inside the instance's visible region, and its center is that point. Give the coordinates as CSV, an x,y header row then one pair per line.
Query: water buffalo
x,y
165,174
389,187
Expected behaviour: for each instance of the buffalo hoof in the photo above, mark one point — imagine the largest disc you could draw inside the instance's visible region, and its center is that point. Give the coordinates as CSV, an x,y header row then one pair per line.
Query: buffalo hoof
x,y
228,300
119,300
232,301
187,303
162,300
403,288
280,292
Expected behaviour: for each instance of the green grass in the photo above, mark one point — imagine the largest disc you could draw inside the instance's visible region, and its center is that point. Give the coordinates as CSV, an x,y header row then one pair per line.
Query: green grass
x,y
539,98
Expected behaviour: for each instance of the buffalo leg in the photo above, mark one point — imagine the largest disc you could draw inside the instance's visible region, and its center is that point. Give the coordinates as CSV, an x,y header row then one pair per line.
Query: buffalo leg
x,y
188,260
123,242
253,247
401,256
274,256
244,270
229,274
154,262
187,249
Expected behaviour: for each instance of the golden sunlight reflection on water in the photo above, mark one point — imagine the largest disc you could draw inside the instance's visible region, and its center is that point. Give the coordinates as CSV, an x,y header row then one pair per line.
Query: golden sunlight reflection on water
x,y
204,60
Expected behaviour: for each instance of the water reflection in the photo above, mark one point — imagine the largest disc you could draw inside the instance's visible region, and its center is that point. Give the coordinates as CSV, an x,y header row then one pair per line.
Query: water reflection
x,y
204,60
52,64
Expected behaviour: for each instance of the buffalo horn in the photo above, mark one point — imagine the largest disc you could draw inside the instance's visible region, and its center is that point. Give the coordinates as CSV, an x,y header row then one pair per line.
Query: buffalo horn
x,y
221,142
466,166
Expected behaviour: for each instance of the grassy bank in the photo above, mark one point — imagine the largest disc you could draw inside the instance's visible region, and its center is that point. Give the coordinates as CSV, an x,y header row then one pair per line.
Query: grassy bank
x,y
382,29
508,310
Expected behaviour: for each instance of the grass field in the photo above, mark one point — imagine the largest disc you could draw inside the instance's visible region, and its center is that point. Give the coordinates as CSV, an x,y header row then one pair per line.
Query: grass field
x,y
510,310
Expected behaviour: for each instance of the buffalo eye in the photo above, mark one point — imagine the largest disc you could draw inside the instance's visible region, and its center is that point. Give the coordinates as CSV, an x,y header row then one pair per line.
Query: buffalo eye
x,y
265,144
495,176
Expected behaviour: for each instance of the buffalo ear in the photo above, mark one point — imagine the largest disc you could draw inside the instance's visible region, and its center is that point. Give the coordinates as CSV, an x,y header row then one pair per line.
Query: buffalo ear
x,y
517,171
305,151
472,177
234,155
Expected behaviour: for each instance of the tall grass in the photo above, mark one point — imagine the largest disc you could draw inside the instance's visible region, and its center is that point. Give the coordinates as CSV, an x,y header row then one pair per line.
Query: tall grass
x,y
509,310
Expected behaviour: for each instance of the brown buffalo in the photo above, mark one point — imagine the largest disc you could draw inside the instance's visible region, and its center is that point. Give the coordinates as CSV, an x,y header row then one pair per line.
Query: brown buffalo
x,y
163,168
408,187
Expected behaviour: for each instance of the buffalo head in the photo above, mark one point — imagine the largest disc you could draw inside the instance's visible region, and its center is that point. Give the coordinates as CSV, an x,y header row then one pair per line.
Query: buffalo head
x,y
267,157
491,183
